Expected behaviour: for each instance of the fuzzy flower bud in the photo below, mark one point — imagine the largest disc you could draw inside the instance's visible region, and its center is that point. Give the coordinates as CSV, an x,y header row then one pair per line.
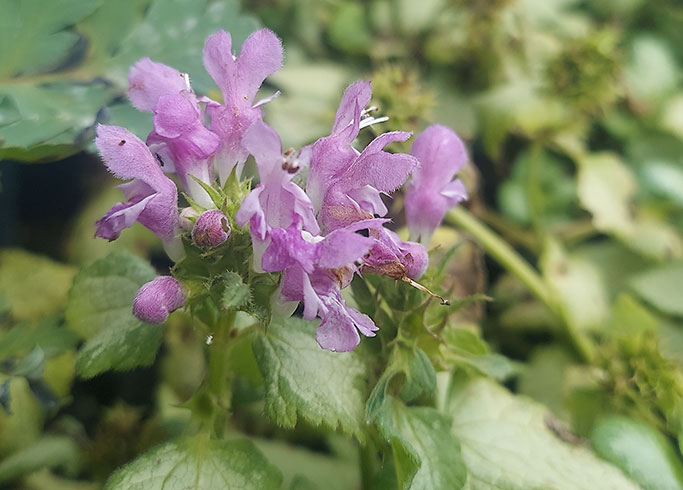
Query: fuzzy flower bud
x,y
157,298
211,229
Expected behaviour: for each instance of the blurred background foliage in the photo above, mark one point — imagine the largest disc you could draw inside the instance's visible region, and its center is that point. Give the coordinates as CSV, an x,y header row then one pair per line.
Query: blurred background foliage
x,y
573,115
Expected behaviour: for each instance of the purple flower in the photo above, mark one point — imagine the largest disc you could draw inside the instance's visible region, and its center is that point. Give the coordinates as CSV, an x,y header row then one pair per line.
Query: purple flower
x,y
276,202
432,190
239,78
391,256
211,229
179,140
157,298
315,269
151,196
346,186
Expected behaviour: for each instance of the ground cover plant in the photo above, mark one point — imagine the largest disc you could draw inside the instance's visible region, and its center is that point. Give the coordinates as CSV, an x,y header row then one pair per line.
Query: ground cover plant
x,y
380,244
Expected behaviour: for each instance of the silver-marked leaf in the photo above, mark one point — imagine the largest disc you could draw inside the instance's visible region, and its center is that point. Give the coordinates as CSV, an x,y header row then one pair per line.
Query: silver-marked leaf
x,y
303,380
198,463
507,445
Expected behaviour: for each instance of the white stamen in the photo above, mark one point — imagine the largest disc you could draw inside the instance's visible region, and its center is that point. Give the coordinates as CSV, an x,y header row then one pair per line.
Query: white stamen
x,y
310,238
367,110
369,121
209,339
186,77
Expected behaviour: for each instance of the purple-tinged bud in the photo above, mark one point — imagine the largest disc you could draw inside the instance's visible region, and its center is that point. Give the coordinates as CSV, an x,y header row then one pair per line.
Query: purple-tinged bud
x,y
415,259
211,229
156,299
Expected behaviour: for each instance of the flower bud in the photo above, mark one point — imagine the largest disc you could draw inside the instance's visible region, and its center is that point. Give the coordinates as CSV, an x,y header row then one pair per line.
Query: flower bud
x,y
157,298
211,229
415,259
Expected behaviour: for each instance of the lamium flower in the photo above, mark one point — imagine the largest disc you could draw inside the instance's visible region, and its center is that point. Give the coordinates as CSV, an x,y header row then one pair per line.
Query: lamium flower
x,y
157,298
345,185
432,190
239,79
276,202
315,269
391,256
179,140
211,229
152,198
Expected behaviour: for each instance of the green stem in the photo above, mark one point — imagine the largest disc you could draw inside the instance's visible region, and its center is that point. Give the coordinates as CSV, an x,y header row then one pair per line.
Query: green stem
x,y
367,464
218,377
503,253
516,265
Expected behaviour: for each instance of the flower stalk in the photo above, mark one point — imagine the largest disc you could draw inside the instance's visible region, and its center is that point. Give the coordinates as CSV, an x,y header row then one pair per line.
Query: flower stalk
x,y
520,268
218,374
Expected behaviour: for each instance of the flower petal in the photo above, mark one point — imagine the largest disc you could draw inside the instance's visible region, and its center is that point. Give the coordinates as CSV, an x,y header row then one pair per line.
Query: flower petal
x,y
336,331
219,61
264,143
149,80
341,248
127,157
119,217
441,154
174,115
260,56
355,98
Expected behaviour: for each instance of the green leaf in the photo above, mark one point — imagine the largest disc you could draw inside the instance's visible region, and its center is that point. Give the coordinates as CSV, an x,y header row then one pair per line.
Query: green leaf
x,y
198,464
302,379
236,293
103,292
52,86
49,451
305,468
100,310
173,32
20,426
417,372
464,347
545,378
33,286
662,287
125,347
579,286
426,454
652,71
640,451
36,30
606,187
52,337
55,120
506,444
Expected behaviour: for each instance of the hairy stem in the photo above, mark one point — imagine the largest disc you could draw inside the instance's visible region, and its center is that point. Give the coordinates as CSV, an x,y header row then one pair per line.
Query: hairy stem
x,y
218,382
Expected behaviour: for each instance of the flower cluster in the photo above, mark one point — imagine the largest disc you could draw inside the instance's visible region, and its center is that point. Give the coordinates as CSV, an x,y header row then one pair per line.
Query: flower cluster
x,y
319,237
